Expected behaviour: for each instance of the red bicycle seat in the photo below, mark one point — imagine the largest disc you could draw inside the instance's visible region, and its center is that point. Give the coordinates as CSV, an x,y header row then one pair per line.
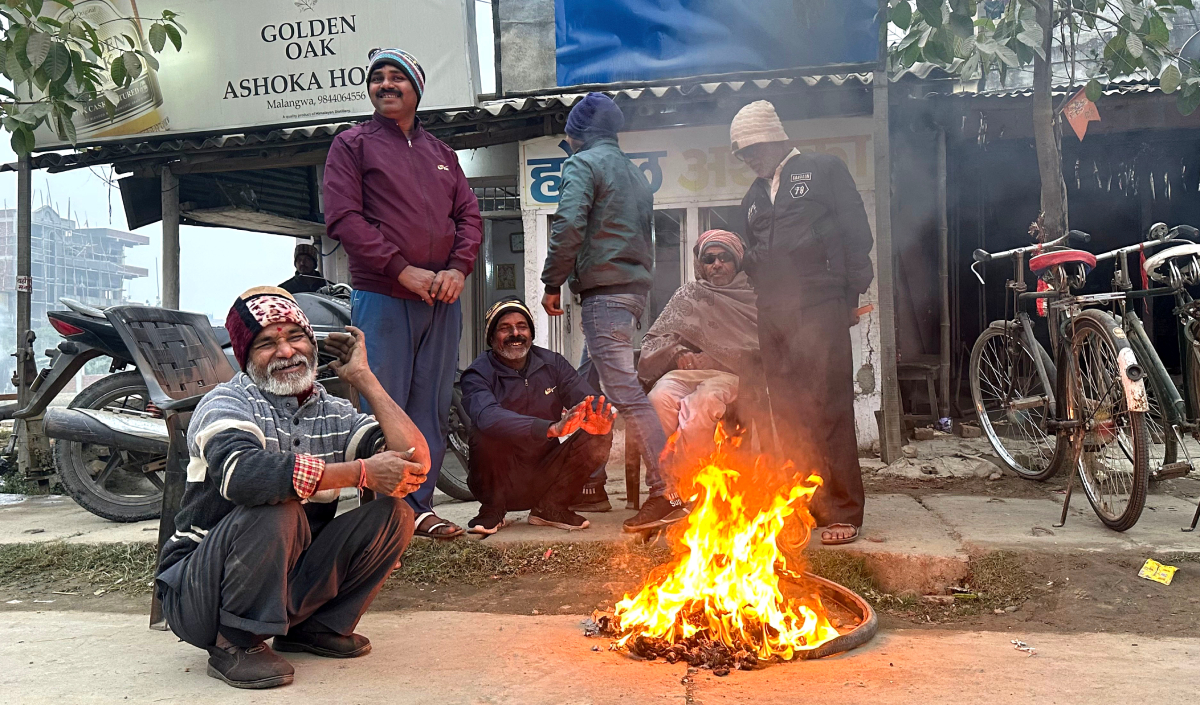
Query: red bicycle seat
x,y
1047,260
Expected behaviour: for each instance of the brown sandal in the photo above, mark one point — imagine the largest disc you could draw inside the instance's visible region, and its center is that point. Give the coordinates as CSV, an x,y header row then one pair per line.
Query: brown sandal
x,y
450,529
839,541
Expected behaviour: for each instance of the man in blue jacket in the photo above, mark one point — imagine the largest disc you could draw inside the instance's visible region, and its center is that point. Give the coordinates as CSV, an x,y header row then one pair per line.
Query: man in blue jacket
x,y
523,401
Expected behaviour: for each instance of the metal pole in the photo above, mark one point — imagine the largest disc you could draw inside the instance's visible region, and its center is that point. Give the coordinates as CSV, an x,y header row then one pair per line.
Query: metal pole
x,y
33,449
170,233
24,273
890,442
943,272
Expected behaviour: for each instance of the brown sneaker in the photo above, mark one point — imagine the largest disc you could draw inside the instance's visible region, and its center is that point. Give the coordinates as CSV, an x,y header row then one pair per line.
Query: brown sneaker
x,y
254,667
327,644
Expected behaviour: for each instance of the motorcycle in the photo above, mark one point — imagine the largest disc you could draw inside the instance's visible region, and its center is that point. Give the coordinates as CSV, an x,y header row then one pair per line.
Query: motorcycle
x,y
111,441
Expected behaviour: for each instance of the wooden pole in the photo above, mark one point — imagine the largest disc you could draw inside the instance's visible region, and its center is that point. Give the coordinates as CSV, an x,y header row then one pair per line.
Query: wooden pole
x,y
170,235
890,442
943,273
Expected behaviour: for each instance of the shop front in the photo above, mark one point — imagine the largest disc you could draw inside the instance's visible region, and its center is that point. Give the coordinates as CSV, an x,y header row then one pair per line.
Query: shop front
x,y
698,185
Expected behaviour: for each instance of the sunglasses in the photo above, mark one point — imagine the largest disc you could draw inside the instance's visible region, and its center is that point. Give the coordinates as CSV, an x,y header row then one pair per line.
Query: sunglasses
x,y
713,257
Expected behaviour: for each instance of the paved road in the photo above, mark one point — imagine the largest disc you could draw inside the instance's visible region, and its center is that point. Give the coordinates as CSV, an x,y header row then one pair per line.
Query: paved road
x,y
446,658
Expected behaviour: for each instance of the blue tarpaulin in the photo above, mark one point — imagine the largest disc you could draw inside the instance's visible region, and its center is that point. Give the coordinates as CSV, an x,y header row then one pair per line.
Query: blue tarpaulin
x,y
607,41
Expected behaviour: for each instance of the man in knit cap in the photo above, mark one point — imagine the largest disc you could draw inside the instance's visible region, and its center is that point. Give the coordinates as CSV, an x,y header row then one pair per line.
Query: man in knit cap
x,y
600,240
308,278
257,550
523,400
397,199
701,354
809,259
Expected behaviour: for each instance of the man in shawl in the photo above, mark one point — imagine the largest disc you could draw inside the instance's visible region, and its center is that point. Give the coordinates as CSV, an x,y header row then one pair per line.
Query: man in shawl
x,y
703,344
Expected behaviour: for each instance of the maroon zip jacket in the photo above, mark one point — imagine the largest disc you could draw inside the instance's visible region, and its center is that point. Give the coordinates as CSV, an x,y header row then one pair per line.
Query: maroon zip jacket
x,y
393,201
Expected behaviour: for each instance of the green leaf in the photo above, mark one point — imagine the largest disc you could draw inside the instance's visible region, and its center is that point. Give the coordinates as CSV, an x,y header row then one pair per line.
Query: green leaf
x,y
149,59
35,6
962,25
133,64
22,142
120,76
1188,100
1170,79
14,69
1153,61
1094,91
931,12
173,34
66,128
7,93
1008,56
58,63
37,47
970,68
158,37
1133,43
1158,32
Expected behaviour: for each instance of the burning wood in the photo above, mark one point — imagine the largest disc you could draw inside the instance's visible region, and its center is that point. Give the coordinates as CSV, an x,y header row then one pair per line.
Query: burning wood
x,y
718,604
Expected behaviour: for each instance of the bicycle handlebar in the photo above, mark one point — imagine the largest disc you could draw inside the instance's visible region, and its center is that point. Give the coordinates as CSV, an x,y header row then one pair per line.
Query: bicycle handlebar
x,y
1175,234
983,256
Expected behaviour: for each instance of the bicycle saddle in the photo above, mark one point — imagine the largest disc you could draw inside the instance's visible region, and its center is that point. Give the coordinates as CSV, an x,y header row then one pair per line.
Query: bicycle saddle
x,y
1156,261
1047,260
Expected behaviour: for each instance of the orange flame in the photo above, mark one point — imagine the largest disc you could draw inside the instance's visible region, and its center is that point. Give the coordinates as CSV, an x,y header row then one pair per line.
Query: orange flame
x,y
724,578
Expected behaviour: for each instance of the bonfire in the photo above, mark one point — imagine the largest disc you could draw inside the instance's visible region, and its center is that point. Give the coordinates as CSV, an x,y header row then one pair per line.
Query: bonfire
x,y
721,601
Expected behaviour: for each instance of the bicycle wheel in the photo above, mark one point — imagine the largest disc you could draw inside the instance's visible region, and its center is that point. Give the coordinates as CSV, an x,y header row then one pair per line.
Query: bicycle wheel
x,y
1163,446
1114,459
1012,404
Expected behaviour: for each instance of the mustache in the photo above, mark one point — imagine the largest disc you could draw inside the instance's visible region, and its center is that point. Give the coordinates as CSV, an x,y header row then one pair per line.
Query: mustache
x,y
515,339
389,91
276,365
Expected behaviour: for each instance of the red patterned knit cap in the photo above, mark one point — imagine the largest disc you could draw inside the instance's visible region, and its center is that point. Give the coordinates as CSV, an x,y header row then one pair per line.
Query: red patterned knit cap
x,y
724,238
256,309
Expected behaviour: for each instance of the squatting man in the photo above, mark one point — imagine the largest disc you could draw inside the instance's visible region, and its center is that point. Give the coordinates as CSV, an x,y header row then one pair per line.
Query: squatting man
x,y
257,551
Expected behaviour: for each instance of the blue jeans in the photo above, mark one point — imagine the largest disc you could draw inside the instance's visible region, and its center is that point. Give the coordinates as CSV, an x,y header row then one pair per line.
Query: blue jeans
x,y
413,350
608,325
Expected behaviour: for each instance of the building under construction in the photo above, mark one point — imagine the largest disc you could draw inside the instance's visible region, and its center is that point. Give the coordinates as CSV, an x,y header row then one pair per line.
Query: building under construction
x,y
85,264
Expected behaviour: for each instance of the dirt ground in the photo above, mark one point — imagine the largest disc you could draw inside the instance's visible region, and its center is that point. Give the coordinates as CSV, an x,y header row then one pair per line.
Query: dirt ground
x,y
1008,485
1042,593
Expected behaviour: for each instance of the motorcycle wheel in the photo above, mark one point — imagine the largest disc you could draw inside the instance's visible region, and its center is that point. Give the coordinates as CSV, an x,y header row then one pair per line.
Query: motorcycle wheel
x,y
453,478
108,482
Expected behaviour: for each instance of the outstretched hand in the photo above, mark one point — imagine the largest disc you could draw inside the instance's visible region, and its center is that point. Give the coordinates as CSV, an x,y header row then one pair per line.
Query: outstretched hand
x,y
596,420
351,351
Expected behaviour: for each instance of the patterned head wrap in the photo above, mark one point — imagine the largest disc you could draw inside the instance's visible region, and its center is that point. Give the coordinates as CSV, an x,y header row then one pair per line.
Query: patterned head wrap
x,y
402,60
256,309
724,238
509,304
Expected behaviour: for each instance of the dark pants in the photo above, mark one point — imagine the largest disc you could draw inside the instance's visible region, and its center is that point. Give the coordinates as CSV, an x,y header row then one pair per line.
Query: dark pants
x,y
261,571
588,371
413,351
810,378
503,481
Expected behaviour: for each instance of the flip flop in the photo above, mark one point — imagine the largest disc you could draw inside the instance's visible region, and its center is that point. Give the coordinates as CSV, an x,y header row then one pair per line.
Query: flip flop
x,y
484,531
838,542
431,532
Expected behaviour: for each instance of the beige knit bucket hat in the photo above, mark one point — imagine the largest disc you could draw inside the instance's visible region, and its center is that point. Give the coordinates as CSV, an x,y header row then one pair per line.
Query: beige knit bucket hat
x,y
755,123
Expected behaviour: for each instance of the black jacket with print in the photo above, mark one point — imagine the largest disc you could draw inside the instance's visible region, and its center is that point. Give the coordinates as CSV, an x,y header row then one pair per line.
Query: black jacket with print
x,y
814,243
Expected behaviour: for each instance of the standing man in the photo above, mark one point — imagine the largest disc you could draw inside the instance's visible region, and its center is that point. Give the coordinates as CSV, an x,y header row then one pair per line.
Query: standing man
x,y
809,260
600,238
397,199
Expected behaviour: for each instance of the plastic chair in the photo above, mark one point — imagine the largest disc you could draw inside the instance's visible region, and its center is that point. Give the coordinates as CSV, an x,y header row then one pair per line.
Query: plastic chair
x,y
180,359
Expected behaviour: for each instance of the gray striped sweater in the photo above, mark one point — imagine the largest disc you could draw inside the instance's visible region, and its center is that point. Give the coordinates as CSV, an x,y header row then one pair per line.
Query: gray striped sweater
x,y
244,445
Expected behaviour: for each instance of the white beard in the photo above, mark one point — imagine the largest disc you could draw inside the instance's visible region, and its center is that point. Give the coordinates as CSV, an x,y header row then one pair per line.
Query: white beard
x,y
512,353
291,385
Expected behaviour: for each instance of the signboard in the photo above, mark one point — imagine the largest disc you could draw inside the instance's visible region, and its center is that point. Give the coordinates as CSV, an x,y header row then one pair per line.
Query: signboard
x,y
606,41
695,164
247,64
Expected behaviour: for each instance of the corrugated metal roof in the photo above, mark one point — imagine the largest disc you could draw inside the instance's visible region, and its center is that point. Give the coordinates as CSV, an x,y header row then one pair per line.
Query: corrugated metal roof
x,y
487,112
1116,88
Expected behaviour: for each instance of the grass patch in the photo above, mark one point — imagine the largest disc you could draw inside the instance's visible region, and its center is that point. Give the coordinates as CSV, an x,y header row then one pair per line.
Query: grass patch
x,y
476,562
845,568
123,567
1000,579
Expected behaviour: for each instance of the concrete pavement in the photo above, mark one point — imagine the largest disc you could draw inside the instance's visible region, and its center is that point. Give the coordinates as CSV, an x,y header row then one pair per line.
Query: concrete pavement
x,y
446,658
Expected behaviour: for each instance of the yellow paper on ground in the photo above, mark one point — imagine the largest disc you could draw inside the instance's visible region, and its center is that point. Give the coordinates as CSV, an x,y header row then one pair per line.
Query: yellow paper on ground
x,y
1159,573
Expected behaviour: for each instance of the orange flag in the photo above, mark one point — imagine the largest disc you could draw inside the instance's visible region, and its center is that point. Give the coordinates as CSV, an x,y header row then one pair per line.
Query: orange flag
x,y
1079,111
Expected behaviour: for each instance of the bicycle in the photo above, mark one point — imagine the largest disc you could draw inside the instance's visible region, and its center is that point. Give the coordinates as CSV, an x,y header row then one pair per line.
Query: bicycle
x,y
1095,413
1168,418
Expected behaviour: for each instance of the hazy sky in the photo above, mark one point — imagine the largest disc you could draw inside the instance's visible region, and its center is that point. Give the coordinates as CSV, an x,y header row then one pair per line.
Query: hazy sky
x,y
216,264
